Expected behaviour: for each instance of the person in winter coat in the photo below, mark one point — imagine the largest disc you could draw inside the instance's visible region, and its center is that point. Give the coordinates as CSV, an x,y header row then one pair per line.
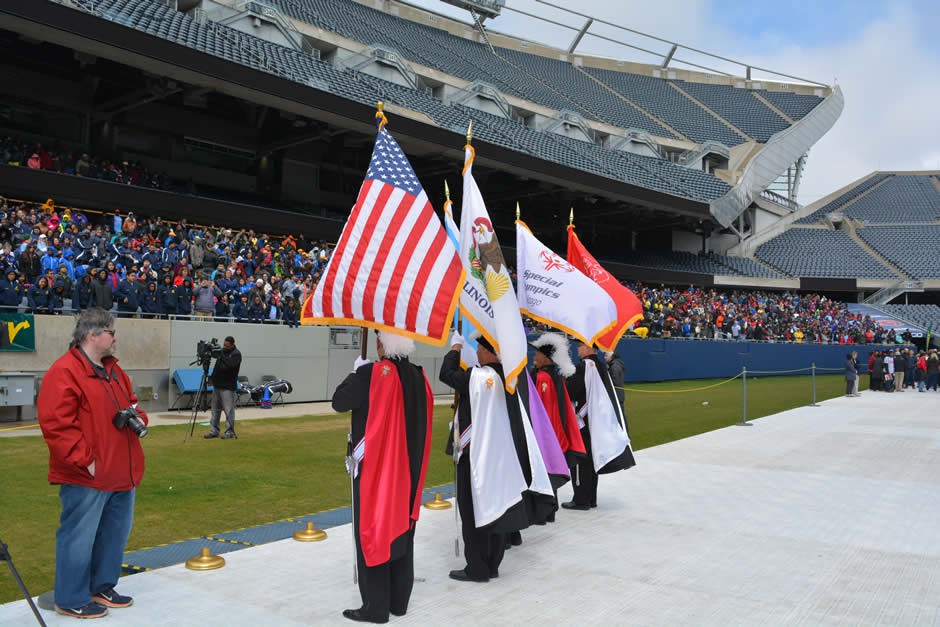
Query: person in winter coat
x,y
40,297
129,294
102,294
166,294
11,292
150,301
96,465
184,297
240,310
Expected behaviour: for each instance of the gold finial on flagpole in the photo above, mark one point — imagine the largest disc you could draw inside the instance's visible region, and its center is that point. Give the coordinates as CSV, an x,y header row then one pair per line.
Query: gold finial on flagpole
x,y
469,132
446,190
517,210
380,114
571,217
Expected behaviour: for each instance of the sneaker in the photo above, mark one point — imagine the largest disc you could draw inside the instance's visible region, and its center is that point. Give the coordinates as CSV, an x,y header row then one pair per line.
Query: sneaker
x,y
90,610
228,435
211,435
111,598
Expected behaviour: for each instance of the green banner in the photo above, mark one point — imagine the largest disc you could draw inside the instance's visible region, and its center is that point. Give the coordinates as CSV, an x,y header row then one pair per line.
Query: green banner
x,y
17,332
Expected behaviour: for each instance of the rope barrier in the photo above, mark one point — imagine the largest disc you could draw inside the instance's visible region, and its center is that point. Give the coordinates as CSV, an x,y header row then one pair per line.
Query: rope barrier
x,y
35,426
778,371
706,387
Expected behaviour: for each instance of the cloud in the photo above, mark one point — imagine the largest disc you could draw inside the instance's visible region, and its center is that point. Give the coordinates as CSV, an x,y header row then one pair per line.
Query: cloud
x,y
885,62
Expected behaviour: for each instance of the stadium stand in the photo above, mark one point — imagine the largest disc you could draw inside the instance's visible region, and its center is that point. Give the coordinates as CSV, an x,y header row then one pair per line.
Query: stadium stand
x,y
744,266
803,252
913,249
925,316
739,107
903,198
843,199
796,106
669,105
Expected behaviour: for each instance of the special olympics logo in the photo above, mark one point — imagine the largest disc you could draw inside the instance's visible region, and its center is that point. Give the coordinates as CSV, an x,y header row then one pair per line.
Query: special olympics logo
x,y
595,271
551,261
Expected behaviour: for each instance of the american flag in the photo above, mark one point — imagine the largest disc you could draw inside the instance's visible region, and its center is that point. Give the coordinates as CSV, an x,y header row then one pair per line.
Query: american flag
x,y
394,266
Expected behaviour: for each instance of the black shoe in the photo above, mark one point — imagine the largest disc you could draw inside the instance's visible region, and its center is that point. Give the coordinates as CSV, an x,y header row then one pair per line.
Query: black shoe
x,y
111,598
397,613
211,435
89,610
359,617
461,575
573,505
228,435
494,574
593,504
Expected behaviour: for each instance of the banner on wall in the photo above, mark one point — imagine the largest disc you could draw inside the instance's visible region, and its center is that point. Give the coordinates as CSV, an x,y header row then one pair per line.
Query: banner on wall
x,y
17,332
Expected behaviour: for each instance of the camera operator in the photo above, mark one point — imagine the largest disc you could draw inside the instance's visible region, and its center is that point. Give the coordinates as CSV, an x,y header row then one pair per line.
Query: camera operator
x,y
87,412
224,381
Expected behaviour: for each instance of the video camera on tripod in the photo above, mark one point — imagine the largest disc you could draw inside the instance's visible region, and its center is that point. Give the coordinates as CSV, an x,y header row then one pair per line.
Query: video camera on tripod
x,y
206,351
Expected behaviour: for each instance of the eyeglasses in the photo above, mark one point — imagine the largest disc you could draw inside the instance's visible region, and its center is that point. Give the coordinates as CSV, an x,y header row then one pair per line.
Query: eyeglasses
x,y
108,331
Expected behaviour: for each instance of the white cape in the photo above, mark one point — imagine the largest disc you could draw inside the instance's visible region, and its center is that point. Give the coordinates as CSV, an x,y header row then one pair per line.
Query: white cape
x,y
496,480
609,438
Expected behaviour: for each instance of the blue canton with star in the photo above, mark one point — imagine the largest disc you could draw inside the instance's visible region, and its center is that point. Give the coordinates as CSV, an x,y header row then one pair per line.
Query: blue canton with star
x,y
390,165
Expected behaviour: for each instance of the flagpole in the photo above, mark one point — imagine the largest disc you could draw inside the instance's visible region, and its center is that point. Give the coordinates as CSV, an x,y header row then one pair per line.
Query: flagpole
x,y
455,429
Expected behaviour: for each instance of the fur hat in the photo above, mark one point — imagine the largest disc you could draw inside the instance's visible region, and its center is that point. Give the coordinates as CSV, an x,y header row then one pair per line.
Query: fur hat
x,y
555,347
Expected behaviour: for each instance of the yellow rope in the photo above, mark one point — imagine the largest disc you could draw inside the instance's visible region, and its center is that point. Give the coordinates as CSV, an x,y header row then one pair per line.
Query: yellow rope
x,y
777,371
706,387
36,426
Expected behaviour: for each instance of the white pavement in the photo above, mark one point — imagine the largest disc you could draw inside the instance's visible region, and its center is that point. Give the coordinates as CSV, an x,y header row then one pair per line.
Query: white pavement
x,y
822,515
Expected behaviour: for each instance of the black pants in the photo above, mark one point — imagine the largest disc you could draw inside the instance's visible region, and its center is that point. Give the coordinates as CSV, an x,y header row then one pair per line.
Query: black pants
x,y
849,386
387,587
482,549
584,476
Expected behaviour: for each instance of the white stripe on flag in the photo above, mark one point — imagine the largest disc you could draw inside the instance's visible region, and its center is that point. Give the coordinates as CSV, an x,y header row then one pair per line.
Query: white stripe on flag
x,y
355,235
411,273
412,213
372,250
431,287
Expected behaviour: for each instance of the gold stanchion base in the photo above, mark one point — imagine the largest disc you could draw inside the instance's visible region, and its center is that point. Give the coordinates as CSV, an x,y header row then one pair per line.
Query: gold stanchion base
x,y
438,503
205,561
310,534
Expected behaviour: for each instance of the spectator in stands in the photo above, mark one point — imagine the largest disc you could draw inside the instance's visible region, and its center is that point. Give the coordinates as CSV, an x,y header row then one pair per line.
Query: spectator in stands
x,y
241,310
102,295
257,311
184,297
82,293
150,301
63,278
128,295
40,297
290,313
11,292
204,297
166,295
222,309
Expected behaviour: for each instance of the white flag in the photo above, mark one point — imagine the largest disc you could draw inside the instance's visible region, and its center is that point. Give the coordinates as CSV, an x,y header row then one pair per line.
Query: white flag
x,y
487,300
553,291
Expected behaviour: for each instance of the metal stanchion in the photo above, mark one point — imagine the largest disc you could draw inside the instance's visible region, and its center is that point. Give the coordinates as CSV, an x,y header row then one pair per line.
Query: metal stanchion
x,y
744,422
813,369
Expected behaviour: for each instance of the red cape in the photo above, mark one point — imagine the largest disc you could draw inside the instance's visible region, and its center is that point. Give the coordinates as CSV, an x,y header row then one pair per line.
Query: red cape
x,y
387,506
568,434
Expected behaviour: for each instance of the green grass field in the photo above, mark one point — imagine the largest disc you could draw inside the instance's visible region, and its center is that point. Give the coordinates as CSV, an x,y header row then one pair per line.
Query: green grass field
x,y
294,466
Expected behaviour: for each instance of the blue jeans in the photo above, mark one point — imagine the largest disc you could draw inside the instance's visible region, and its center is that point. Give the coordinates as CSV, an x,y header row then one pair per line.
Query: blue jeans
x,y
90,541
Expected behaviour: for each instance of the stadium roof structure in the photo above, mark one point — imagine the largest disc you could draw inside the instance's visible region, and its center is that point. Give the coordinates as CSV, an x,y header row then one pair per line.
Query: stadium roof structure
x,y
682,144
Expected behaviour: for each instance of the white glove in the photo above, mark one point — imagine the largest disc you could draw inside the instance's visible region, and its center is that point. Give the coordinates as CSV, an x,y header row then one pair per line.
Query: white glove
x,y
360,362
456,339
91,469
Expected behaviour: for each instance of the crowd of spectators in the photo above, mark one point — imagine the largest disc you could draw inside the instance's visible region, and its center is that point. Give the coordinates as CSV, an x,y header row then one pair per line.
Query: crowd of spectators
x,y
697,313
755,315
58,158
60,259
898,370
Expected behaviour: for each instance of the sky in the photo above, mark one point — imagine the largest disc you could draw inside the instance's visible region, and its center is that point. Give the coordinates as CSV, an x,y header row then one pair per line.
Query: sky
x,y
884,55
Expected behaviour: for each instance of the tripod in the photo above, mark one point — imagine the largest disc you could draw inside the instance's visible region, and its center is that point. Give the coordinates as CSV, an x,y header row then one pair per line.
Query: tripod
x,y
5,557
200,397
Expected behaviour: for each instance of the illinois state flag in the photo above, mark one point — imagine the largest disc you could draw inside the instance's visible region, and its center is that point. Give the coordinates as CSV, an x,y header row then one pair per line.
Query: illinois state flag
x,y
629,307
553,291
394,267
488,300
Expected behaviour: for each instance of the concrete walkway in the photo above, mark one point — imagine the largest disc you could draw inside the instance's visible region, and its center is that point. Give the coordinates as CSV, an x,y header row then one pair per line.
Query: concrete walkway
x,y
817,516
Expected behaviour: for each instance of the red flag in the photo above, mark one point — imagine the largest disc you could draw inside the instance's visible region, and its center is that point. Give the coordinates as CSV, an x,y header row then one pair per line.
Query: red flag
x,y
629,307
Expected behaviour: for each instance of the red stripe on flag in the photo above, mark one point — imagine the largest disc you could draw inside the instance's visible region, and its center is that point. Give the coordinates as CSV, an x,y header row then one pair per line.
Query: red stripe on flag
x,y
411,244
375,212
394,226
445,296
421,281
340,252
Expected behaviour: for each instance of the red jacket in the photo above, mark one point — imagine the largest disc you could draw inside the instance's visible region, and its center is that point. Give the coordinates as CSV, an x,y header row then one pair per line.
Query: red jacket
x,y
76,409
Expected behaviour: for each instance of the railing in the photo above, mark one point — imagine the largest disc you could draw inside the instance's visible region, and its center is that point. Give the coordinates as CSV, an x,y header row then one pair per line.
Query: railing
x,y
778,199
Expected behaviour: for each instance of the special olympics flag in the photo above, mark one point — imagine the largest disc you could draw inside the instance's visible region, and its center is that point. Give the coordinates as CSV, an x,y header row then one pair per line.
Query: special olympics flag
x,y
629,307
553,291
394,267
487,299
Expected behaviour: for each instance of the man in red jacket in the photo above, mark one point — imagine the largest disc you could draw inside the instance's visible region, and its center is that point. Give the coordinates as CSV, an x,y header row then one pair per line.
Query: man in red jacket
x,y
96,464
